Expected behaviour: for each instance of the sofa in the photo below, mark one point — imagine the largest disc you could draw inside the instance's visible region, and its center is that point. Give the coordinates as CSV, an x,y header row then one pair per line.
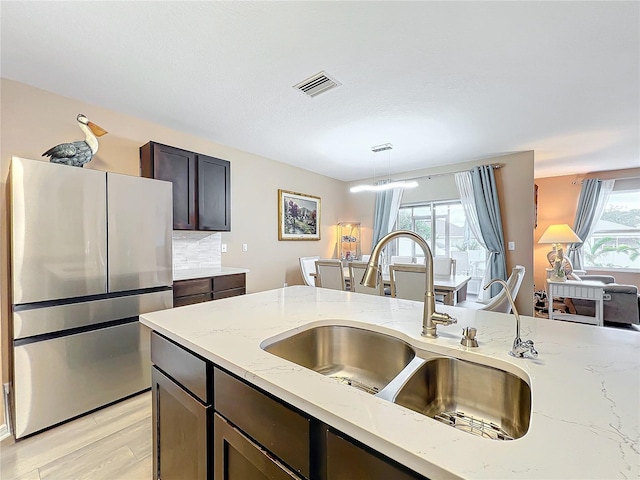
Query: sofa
x,y
621,302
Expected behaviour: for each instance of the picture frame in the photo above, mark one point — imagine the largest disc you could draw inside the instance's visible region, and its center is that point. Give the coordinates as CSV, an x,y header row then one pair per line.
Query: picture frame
x,y
298,216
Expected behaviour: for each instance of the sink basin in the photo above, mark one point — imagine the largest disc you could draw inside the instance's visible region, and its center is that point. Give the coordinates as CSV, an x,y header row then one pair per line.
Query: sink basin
x,y
479,399
476,398
361,358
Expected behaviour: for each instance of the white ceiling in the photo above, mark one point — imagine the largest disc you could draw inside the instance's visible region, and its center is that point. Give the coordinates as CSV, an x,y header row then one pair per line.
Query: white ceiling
x,y
444,82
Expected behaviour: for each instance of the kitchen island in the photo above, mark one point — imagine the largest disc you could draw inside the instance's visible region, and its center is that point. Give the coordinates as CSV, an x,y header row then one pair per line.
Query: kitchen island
x,y
585,384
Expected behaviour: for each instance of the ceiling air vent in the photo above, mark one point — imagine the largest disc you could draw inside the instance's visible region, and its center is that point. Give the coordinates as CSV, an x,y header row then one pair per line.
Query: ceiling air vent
x,y
317,84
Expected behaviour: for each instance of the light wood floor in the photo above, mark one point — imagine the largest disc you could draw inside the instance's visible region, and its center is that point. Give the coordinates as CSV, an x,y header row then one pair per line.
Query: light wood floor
x,y
112,444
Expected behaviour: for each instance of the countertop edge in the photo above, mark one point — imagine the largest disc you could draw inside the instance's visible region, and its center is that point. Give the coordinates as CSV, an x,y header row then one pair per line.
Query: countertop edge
x,y
204,272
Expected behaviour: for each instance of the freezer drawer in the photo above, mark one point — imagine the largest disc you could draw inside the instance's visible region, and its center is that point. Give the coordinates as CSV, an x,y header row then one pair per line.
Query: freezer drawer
x,y
59,231
39,321
58,379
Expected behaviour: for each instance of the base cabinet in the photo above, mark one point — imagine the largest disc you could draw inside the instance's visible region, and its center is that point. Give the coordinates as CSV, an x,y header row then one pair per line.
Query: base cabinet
x,y
210,424
347,461
180,429
279,429
182,412
238,458
188,292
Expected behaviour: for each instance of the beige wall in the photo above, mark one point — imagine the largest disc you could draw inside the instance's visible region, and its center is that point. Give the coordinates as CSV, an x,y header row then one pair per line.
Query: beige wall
x,y
557,203
34,120
515,191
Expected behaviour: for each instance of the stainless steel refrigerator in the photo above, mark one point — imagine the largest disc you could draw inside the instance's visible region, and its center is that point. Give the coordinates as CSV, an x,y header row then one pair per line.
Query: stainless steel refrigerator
x,y
90,251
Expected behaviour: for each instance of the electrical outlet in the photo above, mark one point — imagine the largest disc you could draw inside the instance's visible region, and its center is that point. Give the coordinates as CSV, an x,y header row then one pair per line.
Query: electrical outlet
x,y
512,245
224,248
245,247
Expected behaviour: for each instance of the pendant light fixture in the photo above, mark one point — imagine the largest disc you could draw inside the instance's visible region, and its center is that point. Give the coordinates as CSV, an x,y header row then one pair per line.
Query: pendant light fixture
x,y
377,187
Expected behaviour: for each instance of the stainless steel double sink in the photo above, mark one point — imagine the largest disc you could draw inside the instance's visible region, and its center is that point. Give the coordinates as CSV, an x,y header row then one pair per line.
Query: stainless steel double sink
x,y
482,400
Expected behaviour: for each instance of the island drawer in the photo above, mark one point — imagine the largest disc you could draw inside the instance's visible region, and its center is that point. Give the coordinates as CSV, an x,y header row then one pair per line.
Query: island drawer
x,y
181,365
184,288
279,429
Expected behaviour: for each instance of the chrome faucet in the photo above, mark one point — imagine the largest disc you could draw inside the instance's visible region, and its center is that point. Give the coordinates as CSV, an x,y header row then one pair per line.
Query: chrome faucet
x,y
520,348
430,318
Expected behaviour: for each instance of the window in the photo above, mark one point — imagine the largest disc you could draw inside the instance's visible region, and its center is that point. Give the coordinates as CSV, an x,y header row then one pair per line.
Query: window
x,y
444,227
615,242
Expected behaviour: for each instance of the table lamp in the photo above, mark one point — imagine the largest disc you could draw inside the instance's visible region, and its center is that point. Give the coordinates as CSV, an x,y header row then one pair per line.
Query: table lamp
x,y
558,235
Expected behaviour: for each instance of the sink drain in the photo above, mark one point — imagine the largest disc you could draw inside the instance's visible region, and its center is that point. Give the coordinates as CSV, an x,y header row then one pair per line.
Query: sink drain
x,y
357,384
472,425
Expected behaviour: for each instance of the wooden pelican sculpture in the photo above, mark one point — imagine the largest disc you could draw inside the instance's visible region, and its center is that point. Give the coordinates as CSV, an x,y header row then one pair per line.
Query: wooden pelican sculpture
x,y
80,152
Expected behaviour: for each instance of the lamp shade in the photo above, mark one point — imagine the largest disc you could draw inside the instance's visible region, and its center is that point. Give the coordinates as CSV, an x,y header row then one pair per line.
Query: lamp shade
x,y
561,233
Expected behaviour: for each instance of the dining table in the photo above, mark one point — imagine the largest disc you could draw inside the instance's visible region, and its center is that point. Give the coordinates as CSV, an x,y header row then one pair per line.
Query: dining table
x,y
453,288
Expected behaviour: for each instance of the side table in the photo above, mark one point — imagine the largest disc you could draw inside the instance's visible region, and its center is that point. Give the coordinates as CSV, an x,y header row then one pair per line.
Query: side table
x,y
588,290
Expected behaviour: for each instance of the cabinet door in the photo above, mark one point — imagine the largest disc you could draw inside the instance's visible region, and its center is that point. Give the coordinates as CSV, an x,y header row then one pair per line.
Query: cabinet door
x,y
214,196
178,167
180,424
275,426
238,458
347,461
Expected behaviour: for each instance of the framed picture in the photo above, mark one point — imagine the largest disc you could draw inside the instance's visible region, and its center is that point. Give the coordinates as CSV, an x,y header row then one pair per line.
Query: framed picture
x,y
298,216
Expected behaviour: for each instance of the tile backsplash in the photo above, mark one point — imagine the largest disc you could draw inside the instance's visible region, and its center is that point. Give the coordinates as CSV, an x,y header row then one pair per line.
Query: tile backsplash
x,y
196,249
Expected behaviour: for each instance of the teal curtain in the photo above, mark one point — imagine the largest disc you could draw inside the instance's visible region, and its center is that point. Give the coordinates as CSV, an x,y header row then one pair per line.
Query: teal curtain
x,y
593,196
490,220
386,212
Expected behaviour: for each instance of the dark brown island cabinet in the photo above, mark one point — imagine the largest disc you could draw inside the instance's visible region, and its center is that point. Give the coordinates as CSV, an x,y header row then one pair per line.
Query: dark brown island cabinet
x,y
197,290
211,424
201,185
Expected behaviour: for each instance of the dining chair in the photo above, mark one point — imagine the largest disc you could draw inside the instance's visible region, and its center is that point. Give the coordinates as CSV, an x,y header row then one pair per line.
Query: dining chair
x,y
356,272
444,266
330,274
408,281
462,261
308,270
400,259
500,303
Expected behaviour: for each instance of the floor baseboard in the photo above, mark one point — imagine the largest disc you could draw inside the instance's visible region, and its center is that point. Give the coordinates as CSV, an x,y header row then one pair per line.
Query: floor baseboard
x,y
4,432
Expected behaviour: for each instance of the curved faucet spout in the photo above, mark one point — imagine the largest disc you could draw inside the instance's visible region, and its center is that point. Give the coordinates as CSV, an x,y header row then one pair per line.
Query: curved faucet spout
x,y
430,318
519,347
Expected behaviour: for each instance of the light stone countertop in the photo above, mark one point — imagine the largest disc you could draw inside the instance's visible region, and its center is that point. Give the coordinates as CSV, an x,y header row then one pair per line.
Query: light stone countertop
x,y
191,273
585,383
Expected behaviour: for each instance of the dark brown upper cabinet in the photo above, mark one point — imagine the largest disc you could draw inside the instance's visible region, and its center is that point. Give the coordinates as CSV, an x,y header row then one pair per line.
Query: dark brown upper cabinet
x,y
201,186
214,206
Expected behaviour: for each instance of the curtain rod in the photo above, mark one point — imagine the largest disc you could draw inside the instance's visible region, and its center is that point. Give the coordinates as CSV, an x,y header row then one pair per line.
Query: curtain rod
x,y
495,166
574,182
